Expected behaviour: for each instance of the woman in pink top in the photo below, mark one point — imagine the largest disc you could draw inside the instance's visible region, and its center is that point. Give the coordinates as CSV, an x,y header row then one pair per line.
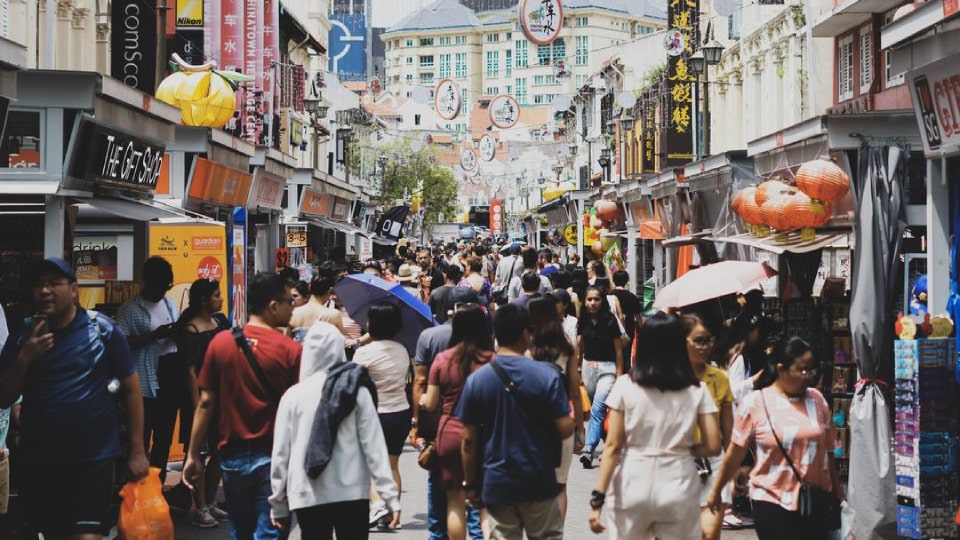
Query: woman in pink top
x,y
800,417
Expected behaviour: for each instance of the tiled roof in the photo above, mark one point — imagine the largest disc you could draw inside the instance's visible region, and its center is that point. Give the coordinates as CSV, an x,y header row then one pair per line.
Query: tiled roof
x,y
440,14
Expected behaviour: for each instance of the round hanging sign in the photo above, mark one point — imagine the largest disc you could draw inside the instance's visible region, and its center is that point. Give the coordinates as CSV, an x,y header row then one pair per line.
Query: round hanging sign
x,y
447,100
488,148
504,111
674,42
468,159
541,20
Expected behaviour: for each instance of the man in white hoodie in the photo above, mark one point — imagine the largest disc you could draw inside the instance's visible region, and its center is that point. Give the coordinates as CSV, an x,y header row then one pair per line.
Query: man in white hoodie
x,y
338,498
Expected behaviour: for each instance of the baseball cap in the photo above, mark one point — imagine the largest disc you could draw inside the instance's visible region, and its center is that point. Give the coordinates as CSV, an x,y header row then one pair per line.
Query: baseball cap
x,y
58,266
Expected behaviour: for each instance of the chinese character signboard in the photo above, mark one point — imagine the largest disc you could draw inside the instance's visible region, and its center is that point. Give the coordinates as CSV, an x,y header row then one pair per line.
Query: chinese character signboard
x,y
684,23
648,150
448,99
504,111
541,20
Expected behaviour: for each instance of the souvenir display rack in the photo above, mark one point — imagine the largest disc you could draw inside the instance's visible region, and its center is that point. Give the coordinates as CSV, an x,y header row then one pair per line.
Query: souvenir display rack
x,y
838,375
926,438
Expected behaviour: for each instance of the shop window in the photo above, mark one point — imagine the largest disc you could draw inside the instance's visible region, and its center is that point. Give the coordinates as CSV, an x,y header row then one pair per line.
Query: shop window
x,y
891,79
20,147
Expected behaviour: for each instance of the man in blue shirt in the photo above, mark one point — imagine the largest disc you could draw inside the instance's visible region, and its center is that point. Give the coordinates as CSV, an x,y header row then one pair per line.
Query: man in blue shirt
x,y
514,418
67,367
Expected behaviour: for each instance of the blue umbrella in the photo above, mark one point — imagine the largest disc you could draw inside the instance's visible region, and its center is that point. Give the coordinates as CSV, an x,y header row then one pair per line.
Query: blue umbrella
x,y
358,292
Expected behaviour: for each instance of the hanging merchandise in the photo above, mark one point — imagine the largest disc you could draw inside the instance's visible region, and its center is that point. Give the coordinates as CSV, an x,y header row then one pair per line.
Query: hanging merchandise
x,y
448,100
468,159
488,147
504,111
541,20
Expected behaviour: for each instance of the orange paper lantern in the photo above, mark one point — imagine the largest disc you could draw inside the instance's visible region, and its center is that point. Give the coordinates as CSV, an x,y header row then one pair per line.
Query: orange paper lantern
x,y
804,212
750,210
769,190
823,180
773,212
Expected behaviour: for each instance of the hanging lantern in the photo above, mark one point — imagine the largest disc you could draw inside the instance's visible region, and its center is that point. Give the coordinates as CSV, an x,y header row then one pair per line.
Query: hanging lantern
x,y
823,180
204,96
750,213
770,189
773,213
806,215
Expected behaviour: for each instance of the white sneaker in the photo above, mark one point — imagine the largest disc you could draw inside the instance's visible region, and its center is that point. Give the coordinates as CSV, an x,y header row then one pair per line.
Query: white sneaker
x,y
377,511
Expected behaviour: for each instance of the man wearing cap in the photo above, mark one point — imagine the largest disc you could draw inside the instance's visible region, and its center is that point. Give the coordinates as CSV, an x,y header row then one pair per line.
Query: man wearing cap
x,y
424,426
68,365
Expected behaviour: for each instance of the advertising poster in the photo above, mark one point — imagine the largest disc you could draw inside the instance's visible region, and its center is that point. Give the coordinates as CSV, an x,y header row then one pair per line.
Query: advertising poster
x,y
194,251
238,265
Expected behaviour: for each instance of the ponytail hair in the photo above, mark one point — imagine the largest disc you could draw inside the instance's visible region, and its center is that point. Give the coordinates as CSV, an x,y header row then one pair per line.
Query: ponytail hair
x,y
786,351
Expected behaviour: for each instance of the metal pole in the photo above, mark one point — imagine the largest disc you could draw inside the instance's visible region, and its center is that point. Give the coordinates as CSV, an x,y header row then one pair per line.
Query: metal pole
x,y
706,109
161,42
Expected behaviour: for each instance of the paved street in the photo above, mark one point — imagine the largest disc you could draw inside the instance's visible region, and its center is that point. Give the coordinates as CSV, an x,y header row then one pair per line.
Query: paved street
x,y
414,515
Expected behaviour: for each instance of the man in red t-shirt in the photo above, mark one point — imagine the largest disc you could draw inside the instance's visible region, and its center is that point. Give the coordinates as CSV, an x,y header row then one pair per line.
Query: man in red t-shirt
x,y
245,405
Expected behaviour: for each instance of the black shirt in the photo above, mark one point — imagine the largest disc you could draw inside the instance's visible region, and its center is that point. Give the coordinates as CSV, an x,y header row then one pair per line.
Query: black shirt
x,y
598,338
631,307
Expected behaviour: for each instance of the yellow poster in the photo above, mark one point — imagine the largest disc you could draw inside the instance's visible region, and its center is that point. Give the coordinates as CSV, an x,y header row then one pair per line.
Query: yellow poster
x,y
189,13
195,251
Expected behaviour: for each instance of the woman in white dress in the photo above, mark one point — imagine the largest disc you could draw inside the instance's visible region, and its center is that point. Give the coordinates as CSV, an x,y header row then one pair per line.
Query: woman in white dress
x,y
647,472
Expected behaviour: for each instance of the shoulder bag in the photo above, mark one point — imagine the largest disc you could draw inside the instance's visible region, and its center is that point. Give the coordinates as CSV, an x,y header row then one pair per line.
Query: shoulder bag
x,y
501,293
254,365
818,507
428,457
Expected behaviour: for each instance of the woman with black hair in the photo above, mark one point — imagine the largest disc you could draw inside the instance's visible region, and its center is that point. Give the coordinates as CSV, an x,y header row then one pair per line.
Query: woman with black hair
x,y
192,332
599,343
578,288
550,345
389,364
746,367
469,350
655,412
791,421
300,293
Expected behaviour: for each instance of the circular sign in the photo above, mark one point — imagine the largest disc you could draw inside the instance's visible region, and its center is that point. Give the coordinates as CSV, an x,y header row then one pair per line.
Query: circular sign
x,y
420,94
570,234
504,111
541,20
447,100
468,159
626,99
674,42
210,268
561,102
488,148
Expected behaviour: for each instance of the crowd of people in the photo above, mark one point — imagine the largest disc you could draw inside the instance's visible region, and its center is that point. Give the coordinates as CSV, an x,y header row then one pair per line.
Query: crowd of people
x,y
532,366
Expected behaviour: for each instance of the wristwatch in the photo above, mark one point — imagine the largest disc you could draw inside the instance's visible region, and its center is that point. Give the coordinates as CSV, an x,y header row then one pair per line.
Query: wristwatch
x,y
597,498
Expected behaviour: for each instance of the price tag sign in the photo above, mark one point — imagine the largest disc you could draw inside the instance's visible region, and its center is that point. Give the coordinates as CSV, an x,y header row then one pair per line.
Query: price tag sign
x,y
283,258
297,239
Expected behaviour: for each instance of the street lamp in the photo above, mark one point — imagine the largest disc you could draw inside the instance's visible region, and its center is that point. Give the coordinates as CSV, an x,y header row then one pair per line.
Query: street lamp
x,y
604,162
712,52
699,64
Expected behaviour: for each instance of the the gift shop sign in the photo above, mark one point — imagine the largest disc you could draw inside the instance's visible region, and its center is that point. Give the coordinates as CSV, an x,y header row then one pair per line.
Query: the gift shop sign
x,y
935,90
105,155
315,203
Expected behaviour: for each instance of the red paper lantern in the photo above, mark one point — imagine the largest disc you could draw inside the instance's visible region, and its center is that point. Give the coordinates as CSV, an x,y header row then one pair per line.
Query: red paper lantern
x,y
823,180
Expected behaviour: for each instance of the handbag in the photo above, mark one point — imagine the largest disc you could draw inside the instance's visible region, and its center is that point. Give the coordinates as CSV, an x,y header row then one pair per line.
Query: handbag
x,y
501,292
428,456
817,506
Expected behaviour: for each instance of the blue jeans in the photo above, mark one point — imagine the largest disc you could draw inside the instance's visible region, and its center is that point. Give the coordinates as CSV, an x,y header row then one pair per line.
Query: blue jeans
x,y
246,484
437,512
598,378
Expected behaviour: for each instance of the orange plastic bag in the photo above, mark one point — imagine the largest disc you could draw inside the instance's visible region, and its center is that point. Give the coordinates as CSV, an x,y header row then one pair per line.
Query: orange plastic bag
x,y
144,514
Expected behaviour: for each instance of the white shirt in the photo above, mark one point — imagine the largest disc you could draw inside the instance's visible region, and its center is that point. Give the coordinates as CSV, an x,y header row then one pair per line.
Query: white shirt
x,y
159,316
741,383
388,363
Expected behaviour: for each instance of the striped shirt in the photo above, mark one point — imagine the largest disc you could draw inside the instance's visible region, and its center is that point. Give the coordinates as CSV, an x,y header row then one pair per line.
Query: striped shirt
x,y
133,317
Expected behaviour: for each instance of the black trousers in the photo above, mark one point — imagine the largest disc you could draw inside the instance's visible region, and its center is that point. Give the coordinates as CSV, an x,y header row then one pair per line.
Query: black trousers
x,y
773,522
348,519
160,413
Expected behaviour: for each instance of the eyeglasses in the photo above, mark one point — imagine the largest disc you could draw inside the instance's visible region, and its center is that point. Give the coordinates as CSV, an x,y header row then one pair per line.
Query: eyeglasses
x,y
51,283
703,342
810,372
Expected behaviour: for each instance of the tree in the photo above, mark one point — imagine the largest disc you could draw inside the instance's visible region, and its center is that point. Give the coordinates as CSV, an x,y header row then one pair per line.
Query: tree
x,y
395,171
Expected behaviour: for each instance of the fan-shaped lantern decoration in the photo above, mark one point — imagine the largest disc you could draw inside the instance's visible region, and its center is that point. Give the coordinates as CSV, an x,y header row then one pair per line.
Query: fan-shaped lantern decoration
x,y
205,97
770,189
823,180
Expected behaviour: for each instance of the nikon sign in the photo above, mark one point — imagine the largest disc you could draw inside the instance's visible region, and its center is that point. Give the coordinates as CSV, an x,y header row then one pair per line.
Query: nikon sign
x,y
133,43
189,13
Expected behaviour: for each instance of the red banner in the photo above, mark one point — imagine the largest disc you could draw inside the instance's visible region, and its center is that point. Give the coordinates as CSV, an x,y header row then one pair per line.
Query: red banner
x,y
496,216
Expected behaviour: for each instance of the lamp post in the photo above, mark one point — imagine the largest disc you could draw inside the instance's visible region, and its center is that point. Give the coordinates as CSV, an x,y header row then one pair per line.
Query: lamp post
x,y
699,63
317,108
604,162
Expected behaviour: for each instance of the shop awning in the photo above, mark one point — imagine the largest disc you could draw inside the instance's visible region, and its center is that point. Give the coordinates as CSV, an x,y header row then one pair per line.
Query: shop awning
x,y
650,229
135,209
325,223
793,242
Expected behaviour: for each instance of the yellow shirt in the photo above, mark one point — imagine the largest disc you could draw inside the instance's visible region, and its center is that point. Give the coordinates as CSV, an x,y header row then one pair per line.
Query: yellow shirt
x,y
718,386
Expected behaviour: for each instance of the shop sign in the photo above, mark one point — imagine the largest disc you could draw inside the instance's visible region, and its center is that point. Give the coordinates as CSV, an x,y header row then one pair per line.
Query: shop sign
x,y
110,156
496,216
296,239
648,153
189,14
218,184
570,234
341,208
194,252
315,203
188,43
267,190
366,248
541,20
683,19
448,100
95,258
282,259
133,44
935,89
238,264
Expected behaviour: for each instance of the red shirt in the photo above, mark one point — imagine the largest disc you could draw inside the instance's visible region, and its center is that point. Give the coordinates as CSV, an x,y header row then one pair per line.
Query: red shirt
x,y
245,412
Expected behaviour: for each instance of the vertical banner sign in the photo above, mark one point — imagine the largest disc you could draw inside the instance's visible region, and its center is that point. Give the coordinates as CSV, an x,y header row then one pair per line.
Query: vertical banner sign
x,y
211,27
133,44
194,251
238,265
252,95
496,216
231,45
648,162
271,54
683,39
